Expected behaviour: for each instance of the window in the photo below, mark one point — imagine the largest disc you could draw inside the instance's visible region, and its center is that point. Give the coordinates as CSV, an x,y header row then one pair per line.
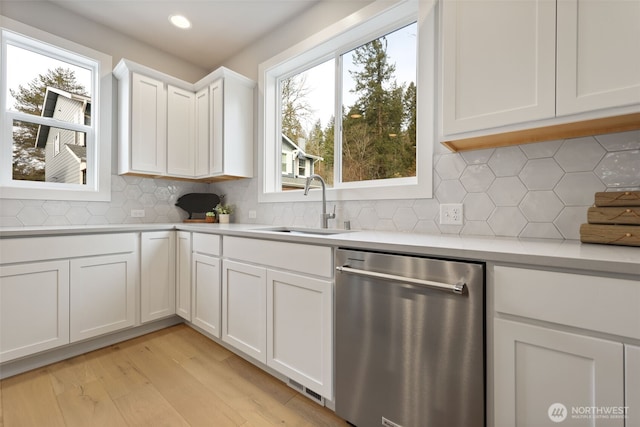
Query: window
x,y
55,104
351,102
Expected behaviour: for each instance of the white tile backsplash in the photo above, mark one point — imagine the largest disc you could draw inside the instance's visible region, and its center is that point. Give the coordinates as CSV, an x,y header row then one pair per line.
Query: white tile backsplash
x,y
539,190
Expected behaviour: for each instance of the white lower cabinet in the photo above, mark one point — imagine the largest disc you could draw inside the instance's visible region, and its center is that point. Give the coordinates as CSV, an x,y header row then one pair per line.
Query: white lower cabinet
x,y
300,329
632,385
206,293
183,274
561,348
157,275
34,308
538,369
244,289
102,295
277,307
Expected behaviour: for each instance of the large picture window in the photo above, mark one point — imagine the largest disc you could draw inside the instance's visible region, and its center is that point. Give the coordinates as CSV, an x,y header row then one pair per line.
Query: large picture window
x,y
347,108
50,101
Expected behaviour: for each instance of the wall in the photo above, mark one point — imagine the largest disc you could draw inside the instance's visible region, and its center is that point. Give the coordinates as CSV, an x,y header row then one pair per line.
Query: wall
x,y
535,190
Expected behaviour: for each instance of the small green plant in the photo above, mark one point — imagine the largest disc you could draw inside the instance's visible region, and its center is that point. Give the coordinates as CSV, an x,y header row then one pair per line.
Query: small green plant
x,y
223,209
210,214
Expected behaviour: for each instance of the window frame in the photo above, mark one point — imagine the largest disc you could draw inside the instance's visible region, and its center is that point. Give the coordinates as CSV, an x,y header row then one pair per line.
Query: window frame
x,y
98,133
369,23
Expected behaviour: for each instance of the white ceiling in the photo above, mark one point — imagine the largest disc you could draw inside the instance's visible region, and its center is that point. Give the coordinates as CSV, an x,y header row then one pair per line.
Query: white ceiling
x,y
220,28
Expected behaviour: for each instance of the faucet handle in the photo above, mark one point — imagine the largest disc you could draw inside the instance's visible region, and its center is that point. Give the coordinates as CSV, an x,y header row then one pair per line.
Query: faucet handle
x,y
333,214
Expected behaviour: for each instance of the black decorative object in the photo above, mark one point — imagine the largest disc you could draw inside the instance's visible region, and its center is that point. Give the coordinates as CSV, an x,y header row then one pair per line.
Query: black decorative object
x,y
198,202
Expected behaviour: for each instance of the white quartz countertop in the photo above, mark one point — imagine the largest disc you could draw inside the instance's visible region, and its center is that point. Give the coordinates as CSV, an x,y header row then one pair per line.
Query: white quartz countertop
x,y
568,254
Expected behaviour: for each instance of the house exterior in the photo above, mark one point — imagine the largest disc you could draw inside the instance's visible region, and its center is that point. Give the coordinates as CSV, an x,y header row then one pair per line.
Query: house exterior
x,y
65,150
297,165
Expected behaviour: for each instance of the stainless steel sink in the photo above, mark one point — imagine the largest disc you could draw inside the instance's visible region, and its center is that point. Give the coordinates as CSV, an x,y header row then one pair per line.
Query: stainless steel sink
x,y
305,231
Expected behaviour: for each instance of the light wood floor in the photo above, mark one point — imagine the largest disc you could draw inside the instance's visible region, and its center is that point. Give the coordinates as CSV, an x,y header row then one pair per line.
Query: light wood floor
x,y
173,377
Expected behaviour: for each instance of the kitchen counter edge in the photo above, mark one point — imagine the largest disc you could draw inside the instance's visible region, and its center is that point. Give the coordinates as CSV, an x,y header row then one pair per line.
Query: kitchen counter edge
x,y
548,253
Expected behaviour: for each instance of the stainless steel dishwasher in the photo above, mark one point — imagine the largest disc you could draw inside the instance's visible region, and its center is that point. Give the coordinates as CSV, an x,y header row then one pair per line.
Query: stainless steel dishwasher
x,y
409,341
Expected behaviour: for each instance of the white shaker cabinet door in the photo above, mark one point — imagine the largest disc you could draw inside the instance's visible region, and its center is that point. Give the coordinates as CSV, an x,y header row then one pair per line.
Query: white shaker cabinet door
x,y
632,385
202,135
180,132
148,143
206,293
102,295
598,55
498,63
244,289
157,275
300,329
536,369
183,274
34,308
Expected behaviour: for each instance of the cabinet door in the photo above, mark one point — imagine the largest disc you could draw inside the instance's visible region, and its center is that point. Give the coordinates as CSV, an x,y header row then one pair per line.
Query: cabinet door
x,y
498,63
598,54
181,109
183,275
632,385
202,141
535,368
300,328
34,308
102,294
148,125
206,293
216,123
157,275
244,289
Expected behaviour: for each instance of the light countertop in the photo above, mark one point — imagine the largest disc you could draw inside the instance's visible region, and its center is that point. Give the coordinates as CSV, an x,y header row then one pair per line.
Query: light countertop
x,y
568,254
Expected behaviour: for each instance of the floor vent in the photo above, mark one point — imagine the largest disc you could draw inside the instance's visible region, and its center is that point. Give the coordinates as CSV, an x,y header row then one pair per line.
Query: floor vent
x,y
306,392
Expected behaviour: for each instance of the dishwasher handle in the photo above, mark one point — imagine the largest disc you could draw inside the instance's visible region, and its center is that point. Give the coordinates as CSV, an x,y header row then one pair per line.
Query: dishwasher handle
x,y
457,288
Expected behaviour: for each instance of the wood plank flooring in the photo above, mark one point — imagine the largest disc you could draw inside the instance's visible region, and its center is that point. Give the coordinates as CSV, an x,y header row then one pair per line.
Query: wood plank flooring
x,y
173,377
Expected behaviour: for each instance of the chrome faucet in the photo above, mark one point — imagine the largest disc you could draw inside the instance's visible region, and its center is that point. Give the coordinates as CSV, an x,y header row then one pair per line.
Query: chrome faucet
x,y
325,216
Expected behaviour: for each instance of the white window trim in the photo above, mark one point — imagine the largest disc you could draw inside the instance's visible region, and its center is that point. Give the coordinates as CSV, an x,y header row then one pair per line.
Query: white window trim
x,y
98,187
368,21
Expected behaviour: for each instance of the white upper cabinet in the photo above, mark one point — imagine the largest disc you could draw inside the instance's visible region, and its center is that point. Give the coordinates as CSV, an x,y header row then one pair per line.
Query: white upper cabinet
x,y
513,65
180,132
498,62
145,149
172,128
598,54
231,121
202,139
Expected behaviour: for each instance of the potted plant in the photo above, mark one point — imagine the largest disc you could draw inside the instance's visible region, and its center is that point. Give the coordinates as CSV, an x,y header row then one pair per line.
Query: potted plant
x,y
210,216
223,211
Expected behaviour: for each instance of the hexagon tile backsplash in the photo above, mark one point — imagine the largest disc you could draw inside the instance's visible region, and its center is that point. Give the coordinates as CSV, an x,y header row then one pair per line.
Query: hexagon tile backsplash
x,y
539,190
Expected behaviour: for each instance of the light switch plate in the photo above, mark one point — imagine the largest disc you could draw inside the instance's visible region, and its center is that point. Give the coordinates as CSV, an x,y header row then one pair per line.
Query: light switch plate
x,y
451,214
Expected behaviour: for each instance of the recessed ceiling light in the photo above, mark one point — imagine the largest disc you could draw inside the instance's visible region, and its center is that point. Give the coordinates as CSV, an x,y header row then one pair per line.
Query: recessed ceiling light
x,y
180,21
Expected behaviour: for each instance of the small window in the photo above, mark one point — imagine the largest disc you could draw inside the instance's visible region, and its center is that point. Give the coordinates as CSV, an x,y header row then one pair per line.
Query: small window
x,y
351,102
56,146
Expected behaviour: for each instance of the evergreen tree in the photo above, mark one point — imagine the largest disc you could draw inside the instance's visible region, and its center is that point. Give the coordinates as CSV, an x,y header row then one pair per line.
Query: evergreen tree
x,y
28,161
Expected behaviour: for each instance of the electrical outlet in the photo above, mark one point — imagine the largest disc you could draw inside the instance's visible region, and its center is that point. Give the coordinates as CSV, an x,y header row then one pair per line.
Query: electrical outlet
x,y
137,213
252,214
451,214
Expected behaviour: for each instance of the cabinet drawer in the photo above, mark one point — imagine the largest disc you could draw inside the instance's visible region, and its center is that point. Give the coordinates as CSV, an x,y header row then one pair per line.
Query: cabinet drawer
x,y
28,249
307,259
602,304
208,244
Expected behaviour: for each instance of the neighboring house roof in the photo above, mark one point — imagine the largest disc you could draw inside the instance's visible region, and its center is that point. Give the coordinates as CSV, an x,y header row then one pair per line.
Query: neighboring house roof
x,y
299,151
49,108
79,151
